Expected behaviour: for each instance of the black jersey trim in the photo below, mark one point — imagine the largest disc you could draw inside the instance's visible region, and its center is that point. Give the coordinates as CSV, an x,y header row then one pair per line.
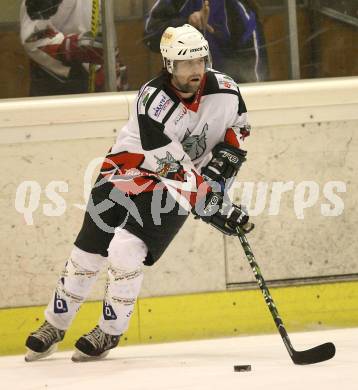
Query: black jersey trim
x,y
212,85
152,133
162,84
175,99
170,113
169,91
242,106
150,100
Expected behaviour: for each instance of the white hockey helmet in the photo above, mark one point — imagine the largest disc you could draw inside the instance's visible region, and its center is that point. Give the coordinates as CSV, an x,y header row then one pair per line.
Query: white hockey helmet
x,y
183,43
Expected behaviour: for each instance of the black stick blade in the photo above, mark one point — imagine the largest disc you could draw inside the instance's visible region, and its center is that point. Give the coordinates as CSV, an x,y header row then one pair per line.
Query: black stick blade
x,y
314,355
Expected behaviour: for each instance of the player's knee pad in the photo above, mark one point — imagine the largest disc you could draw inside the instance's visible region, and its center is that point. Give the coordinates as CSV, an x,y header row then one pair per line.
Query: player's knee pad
x,y
126,254
90,262
81,271
126,251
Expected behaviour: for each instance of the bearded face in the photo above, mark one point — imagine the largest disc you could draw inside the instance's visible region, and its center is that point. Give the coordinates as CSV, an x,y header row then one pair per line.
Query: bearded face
x,y
187,74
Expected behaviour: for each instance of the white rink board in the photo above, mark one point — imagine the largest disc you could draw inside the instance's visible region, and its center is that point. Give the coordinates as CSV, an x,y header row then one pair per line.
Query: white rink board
x,y
302,131
196,365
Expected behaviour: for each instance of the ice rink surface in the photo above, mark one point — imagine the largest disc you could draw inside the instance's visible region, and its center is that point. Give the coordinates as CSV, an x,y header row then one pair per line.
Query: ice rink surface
x,y
195,365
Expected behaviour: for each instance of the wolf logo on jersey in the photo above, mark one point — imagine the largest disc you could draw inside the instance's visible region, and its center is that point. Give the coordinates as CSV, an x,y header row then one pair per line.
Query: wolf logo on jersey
x,y
167,165
195,145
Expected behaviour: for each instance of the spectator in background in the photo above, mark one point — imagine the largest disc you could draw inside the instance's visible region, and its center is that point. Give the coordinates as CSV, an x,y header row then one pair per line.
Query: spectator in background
x,y
231,27
57,37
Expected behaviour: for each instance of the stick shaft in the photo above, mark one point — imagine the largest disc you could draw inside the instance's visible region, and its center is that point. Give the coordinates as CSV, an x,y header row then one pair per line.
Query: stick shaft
x,y
313,355
265,291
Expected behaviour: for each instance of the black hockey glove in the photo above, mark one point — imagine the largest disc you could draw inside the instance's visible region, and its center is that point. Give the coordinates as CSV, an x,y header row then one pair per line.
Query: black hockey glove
x,y
230,217
41,9
225,218
225,163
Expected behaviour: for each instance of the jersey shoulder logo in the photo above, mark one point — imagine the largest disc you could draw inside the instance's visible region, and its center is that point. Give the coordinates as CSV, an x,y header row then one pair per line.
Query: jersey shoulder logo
x,y
144,97
160,106
225,82
195,145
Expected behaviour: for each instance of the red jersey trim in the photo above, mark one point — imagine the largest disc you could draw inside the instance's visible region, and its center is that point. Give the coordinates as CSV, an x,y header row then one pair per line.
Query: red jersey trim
x,y
231,138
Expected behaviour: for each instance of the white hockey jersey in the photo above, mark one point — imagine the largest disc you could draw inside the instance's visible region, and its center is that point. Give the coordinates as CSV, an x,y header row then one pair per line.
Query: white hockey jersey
x,y
167,140
40,38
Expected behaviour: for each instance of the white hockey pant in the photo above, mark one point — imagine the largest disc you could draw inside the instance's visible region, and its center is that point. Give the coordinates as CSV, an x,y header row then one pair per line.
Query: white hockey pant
x,y
126,254
77,278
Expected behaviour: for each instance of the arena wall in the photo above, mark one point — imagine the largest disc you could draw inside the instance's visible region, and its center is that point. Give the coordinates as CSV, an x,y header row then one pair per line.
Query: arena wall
x,y
299,183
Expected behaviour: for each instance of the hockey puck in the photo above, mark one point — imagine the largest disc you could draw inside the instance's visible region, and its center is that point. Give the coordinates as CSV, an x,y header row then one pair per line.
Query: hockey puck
x,y
242,368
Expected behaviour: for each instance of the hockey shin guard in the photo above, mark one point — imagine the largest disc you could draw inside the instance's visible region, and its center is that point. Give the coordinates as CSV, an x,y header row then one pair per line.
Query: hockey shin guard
x,y
77,278
126,255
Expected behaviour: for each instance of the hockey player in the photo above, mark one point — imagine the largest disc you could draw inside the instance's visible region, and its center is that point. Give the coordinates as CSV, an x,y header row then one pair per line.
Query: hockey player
x,y
57,37
176,153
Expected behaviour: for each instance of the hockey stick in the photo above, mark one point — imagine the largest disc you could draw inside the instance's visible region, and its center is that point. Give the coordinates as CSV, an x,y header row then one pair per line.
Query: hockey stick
x,y
94,31
314,355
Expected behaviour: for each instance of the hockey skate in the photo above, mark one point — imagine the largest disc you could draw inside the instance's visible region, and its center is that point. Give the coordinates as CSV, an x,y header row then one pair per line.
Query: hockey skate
x,y
43,342
94,345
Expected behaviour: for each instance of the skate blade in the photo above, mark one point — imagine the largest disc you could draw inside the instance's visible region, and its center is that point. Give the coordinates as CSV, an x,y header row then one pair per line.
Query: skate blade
x,y
79,357
32,356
